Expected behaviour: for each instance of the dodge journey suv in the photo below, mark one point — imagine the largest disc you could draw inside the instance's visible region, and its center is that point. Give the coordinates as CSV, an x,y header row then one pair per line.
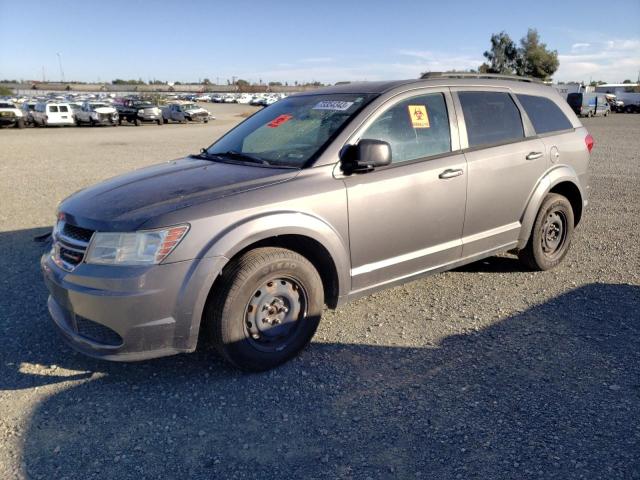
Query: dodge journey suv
x,y
315,200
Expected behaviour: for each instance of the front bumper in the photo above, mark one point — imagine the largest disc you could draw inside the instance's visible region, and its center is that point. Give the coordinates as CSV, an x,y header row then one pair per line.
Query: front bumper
x,y
6,120
130,313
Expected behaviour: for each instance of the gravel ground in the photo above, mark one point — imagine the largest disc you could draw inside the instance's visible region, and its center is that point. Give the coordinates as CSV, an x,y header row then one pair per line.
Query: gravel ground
x,y
485,372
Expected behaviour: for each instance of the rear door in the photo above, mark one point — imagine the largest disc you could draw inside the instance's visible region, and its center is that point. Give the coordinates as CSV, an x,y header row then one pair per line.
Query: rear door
x,y
504,159
406,218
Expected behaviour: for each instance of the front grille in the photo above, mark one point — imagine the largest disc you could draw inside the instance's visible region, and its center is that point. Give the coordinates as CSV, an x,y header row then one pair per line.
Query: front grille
x,y
77,233
105,117
97,332
70,244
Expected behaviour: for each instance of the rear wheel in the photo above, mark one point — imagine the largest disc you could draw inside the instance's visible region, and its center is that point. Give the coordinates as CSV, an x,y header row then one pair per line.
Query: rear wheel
x,y
138,122
160,122
551,234
266,309
20,123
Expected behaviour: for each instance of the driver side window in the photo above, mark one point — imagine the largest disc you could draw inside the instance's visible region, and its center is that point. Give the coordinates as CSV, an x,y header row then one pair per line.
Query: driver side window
x,y
415,128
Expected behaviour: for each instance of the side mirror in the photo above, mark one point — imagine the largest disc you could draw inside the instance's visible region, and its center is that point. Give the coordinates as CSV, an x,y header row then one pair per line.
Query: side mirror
x,y
365,156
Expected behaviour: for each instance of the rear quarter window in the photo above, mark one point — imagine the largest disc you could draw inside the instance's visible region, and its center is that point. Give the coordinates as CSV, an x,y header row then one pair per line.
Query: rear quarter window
x,y
544,114
491,118
53,108
64,108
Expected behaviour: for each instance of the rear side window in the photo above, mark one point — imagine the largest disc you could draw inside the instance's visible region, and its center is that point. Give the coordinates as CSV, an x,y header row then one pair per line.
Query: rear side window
x,y
64,108
544,114
490,117
415,128
53,108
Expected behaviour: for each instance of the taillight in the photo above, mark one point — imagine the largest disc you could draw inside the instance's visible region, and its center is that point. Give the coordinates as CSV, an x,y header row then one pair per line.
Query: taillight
x,y
588,140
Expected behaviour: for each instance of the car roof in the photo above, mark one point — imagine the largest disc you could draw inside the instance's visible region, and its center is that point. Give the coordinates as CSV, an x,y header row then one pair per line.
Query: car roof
x,y
449,80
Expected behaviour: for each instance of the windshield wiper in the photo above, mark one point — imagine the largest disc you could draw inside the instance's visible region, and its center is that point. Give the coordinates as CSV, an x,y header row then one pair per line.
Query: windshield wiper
x,y
244,157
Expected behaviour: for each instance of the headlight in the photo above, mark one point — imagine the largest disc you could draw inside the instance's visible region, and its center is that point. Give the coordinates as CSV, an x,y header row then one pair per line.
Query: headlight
x,y
140,112
135,248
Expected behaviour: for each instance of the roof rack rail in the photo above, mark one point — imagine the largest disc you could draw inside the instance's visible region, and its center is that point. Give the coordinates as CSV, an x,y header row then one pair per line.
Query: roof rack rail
x,y
499,76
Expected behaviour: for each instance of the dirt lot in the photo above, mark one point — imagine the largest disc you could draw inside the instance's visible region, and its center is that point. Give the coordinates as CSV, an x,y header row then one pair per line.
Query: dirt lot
x,y
486,372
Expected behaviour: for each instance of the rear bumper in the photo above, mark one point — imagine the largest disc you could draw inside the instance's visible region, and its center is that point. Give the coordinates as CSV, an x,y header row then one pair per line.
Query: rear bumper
x,y
8,120
130,313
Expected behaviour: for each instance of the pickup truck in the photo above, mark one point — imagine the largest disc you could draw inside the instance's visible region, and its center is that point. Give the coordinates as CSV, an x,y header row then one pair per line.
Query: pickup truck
x,y
11,115
185,112
138,112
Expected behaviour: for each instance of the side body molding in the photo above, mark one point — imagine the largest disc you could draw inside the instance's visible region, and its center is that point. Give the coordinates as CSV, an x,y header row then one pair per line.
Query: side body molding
x,y
554,176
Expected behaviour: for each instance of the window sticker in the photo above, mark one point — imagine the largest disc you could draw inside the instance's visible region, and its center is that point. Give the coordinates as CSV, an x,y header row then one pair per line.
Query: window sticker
x,y
418,115
279,120
338,105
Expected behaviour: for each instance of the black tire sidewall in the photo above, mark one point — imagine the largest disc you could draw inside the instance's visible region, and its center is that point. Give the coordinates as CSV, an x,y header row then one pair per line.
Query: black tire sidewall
x,y
236,347
553,202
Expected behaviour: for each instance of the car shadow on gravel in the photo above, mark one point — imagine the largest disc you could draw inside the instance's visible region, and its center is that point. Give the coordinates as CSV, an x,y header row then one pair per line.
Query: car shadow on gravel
x,y
552,392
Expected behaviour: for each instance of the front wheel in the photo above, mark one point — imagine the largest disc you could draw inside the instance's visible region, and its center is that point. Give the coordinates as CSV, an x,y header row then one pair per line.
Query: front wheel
x,y
551,234
265,309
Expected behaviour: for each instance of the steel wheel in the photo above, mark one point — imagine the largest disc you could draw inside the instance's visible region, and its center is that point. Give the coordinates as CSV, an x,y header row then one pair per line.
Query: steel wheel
x,y
274,313
554,233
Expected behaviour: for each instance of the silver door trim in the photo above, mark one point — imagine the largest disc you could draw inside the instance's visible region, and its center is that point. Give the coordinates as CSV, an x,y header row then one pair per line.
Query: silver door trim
x,y
388,262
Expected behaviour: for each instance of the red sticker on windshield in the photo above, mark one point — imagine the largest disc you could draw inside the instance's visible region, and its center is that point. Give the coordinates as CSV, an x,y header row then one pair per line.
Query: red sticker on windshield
x,y
276,122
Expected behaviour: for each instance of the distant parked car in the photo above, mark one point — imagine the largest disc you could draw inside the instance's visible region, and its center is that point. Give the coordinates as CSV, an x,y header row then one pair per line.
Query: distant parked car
x,y
229,99
203,98
589,104
10,115
97,113
245,99
217,98
184,112
27,111
138,112
53,114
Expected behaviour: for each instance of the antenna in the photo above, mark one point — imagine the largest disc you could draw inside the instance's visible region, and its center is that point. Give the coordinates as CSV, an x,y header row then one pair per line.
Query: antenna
x,y
60,64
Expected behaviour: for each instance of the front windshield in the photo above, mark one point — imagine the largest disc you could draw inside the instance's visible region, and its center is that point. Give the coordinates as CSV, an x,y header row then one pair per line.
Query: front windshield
x,y
99,105
293,130
189,106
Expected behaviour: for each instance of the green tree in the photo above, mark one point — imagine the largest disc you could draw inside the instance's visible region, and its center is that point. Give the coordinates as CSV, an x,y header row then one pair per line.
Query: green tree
x,y
206,81
5,91
502,57
627,81
534,59
275,84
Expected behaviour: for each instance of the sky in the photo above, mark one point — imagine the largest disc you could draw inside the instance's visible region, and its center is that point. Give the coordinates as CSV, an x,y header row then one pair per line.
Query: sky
x,y
288,41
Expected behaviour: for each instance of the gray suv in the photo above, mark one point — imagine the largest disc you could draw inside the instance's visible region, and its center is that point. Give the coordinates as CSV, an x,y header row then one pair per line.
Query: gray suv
x,y
316,200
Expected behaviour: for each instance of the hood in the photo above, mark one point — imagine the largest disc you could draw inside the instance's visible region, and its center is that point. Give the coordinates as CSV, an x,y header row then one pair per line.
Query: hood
x,y
124,203
196,110
104,110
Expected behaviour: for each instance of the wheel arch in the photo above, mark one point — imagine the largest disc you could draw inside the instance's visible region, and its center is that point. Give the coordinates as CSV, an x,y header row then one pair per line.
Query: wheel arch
x,y
305,234
561,180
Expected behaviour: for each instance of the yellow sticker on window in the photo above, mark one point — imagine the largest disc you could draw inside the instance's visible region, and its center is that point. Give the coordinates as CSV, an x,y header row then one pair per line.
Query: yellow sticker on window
x,y
419,117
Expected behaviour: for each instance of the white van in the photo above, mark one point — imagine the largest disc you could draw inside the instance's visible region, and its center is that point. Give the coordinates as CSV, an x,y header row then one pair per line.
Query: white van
x,y
53,114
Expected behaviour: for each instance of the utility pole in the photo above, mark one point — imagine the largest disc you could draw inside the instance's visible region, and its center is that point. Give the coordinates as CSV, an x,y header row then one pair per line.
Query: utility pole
x,y
43,77
60,64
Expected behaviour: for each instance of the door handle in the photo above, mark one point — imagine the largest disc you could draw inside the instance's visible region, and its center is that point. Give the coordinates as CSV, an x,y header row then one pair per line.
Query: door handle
x,y
534,155
451,173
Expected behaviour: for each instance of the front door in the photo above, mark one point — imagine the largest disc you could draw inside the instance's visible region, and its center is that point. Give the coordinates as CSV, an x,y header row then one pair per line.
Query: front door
x,y
407,218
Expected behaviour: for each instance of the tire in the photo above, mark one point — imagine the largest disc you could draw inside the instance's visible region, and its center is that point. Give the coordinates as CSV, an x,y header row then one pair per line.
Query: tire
x,y
555,220
276,283
92,123
165,121
20,123
160,122
137,121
